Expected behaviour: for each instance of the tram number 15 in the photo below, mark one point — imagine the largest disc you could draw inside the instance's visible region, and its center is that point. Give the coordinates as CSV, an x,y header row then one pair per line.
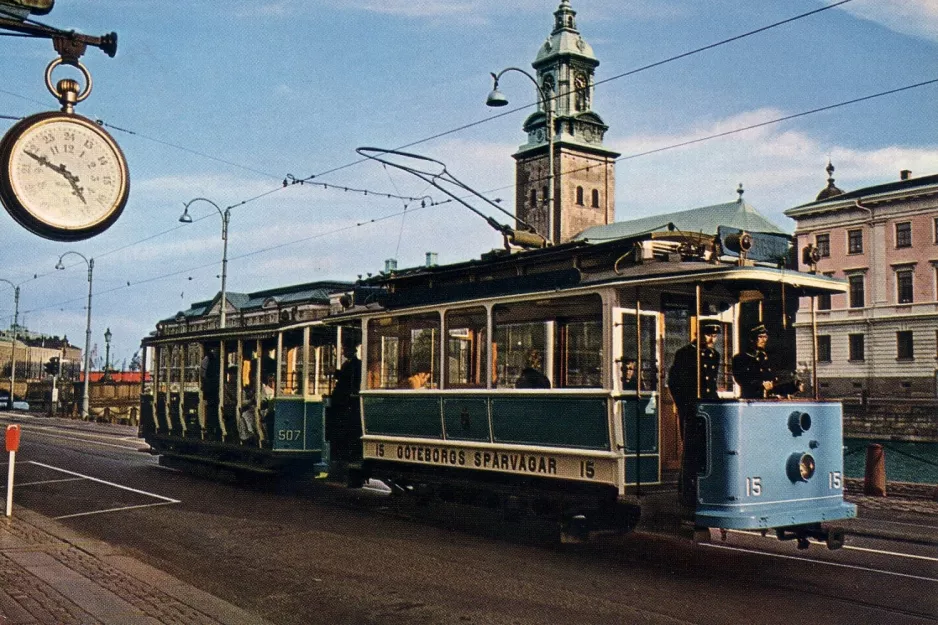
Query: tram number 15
x,y
835,480
753,486
587,469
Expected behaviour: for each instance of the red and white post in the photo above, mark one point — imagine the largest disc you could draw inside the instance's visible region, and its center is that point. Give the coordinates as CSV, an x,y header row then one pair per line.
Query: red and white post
x,y
12,443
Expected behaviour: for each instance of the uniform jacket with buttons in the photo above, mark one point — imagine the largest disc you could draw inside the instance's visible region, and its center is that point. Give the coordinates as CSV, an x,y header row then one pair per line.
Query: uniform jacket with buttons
x,y
682,377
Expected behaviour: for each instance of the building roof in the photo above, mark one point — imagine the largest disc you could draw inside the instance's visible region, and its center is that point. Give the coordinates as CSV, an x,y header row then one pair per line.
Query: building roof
x,y
703,220
310,292
927,184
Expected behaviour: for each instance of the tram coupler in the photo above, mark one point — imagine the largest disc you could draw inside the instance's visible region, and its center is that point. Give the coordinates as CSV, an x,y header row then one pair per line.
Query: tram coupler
x,y
833,537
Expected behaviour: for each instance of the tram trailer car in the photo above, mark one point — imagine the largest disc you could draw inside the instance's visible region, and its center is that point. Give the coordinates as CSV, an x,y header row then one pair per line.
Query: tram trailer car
x,y
248,398
504,382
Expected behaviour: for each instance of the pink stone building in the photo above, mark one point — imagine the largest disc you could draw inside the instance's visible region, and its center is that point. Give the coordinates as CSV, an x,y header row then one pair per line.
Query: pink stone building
x,y
881,338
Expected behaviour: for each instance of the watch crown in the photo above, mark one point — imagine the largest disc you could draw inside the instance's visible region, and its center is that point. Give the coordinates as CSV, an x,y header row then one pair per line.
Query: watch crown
x,y
68,93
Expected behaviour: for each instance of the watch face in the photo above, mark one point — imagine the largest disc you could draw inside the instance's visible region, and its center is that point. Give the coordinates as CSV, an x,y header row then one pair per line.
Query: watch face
x,y
66,179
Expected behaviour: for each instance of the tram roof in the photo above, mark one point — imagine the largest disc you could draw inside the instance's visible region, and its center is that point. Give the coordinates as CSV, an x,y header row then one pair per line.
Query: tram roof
x,y
571,266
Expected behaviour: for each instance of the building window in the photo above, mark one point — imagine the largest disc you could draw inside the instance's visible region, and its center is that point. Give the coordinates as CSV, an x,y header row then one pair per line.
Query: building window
x,y
595,198
824,299
579,196
857,295
854,241
824,348
904,286
936,230
823,244
904,345
856,347
904,234
533,198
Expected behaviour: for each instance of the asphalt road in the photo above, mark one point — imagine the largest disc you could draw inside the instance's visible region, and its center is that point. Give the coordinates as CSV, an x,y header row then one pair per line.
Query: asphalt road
x,y
323,554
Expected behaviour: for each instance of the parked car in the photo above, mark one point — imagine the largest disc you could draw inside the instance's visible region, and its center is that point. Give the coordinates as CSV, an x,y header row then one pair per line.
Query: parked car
x,y
17,404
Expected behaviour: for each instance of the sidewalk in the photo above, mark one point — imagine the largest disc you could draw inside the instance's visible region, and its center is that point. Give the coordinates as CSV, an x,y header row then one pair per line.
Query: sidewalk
x,y
50,575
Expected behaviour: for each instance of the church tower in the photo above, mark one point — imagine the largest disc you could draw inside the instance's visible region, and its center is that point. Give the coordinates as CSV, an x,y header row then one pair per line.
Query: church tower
x,y
584,169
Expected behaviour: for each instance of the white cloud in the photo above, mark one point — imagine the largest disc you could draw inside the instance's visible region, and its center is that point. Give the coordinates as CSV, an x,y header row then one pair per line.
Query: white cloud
x,y
918,18
779,168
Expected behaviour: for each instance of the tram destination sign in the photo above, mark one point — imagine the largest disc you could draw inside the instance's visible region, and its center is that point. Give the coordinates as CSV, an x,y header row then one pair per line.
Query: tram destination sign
x,y
535,464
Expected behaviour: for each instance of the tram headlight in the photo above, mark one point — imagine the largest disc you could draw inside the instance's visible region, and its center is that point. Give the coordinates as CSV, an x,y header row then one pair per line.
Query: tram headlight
x,y
800,467
799,422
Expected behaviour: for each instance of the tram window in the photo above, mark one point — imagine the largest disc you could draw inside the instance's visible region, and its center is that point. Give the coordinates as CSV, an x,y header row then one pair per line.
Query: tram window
x,y
175,366
163,365
322,361
193,364
644,350
466,348
581,348
291,362
403,352
560,338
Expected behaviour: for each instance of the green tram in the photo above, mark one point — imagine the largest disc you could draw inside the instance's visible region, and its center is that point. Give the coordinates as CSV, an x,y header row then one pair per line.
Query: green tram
x,y
247,397
537,379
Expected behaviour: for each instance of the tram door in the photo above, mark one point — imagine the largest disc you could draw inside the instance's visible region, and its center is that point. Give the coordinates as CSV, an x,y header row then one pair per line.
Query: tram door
x,y
677,333
640,374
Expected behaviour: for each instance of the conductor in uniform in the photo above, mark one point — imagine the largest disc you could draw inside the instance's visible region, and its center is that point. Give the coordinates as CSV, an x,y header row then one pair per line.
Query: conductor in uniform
x,y
753,373
682,382
751,368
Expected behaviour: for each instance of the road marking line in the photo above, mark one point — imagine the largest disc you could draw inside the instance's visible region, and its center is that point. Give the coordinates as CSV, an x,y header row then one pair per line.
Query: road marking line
x,y
898,554
82,439
891,553
143,505
100,481
67,479
824,562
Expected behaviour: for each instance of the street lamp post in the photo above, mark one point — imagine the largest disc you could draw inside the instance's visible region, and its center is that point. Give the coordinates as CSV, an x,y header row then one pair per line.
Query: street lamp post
x,y
107,353
90,263
225,218
545,99
16,315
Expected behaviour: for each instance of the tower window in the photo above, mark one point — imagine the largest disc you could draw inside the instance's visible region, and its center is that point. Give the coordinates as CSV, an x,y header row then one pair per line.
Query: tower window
x,y
595,198
533,198
544,194
579,196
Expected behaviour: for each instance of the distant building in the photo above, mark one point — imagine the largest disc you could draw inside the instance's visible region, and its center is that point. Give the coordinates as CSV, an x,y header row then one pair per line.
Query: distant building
x,y
33,351
881,338
584,169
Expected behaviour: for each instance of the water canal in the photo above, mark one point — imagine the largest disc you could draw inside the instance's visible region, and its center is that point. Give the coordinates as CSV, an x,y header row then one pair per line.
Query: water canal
x,y
905,462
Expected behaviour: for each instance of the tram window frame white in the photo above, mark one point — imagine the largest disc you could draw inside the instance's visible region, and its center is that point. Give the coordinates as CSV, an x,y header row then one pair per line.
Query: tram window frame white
x,y
551,328
467,330
650,370
290,363
390,367
322,360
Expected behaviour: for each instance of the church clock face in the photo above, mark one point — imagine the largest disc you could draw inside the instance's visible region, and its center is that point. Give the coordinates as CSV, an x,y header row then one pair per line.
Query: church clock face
x,y
64,177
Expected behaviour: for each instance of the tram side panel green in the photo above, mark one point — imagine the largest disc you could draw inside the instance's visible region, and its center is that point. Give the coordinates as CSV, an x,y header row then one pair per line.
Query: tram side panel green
x,y
297,425
190,413
466,419
551,421
640,425
160,414
403,415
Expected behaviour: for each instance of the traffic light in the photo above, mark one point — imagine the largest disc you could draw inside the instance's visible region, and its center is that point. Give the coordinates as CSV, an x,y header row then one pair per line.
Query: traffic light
x,y
53,366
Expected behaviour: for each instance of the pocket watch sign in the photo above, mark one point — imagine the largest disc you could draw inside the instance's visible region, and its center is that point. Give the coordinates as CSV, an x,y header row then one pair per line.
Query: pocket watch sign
x,y
62,176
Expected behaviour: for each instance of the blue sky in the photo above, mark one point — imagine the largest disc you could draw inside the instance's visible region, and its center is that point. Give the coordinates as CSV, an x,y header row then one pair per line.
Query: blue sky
x,y
225,98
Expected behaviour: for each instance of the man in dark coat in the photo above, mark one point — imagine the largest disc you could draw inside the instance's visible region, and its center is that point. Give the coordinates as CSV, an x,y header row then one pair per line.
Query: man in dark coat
x,y
751,368
343,427
682,382
753,373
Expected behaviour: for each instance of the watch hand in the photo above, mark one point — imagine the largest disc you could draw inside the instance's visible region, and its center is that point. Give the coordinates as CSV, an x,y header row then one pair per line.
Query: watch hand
x,y
63,171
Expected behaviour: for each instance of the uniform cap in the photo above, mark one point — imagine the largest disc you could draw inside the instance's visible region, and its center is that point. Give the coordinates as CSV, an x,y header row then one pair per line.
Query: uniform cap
x,y
757,330
710,327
